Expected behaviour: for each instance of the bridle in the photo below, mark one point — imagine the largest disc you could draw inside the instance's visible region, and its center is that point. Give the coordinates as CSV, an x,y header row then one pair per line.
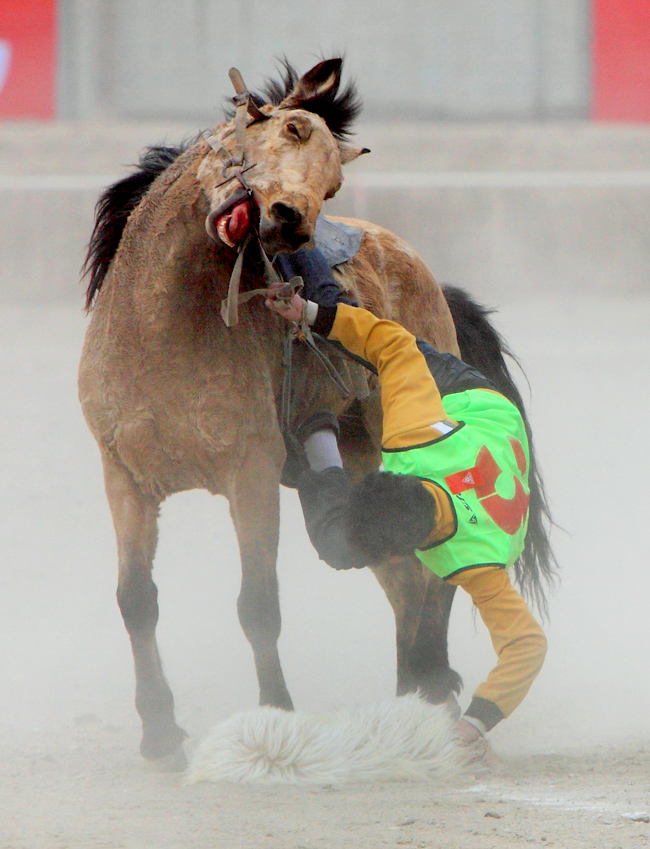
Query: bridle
x,y
234,168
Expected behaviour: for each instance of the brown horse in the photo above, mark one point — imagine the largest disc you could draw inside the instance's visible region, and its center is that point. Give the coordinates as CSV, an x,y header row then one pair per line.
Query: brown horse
x,y
177,400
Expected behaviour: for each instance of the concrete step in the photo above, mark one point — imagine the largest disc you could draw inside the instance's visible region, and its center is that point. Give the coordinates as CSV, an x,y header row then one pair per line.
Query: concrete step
x,y
499,209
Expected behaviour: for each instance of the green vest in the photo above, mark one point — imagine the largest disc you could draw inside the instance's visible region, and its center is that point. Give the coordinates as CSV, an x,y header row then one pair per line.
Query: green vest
x,y
483,466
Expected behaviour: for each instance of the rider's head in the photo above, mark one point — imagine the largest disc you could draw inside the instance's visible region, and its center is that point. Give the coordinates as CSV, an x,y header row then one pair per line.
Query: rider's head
x,y
390,515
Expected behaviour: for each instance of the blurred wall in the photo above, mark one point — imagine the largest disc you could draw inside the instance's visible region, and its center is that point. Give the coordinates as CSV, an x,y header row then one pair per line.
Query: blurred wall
x,y
504,209
468,59
28,57
621,60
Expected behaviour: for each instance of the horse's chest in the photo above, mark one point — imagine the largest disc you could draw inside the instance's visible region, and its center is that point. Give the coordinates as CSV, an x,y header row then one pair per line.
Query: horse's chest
x,y
218,405
184,421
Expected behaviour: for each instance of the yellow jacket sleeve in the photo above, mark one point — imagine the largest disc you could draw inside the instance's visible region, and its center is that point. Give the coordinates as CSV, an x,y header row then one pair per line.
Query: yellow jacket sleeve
x,y
410,398
518,640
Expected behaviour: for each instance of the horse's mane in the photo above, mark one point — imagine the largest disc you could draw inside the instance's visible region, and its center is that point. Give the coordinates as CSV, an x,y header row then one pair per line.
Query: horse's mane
x,y
113,209
338,110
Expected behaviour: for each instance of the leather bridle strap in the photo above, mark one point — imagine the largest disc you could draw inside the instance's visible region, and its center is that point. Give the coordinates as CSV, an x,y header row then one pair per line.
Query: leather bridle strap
x,y
301,332
237,160
229,306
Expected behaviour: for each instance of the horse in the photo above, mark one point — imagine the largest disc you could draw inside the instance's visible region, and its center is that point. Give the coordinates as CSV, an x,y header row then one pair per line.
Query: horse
x,y
180,394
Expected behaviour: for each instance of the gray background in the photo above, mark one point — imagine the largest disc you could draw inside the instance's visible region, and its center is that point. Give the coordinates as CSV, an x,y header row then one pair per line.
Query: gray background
x,y
474,110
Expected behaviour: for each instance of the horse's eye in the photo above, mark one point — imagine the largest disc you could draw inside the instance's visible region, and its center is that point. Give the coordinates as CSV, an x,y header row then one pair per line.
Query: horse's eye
x,y
293,130
298,128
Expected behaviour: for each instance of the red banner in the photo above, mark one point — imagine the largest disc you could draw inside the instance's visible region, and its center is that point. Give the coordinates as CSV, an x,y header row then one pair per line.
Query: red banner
x,y
621,60
27,58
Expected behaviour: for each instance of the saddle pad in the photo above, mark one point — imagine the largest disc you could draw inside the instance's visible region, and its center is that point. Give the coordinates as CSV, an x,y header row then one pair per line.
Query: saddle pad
x,y
336,241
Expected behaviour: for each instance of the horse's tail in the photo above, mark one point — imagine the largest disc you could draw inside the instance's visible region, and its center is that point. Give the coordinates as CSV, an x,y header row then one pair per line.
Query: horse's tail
x,y
483,347
113,209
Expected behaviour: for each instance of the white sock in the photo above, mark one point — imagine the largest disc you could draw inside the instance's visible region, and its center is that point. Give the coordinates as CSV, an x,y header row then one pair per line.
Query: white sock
x,y
322,450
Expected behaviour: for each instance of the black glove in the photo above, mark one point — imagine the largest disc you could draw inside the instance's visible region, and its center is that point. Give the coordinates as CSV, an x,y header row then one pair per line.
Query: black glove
x,y
324,498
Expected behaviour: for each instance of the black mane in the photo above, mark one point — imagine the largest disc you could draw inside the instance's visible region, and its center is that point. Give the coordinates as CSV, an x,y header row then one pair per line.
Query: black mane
x,y
113,209
338,110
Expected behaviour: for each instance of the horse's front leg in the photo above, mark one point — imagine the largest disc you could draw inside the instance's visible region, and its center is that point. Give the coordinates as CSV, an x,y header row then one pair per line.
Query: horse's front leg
x,y
421,603
255,508
136,520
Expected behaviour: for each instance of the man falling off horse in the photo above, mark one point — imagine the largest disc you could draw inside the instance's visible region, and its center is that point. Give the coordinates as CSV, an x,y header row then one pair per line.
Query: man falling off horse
x,y
450,441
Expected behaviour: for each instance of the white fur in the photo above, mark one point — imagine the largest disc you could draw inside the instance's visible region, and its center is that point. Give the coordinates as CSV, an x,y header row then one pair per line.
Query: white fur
x,y
404,738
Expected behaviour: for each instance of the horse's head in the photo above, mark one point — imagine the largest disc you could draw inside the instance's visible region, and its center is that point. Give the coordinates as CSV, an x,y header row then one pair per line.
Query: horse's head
x,y
294,149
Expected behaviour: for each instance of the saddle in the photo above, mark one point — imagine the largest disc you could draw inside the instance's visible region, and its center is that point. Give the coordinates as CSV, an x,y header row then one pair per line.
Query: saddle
x,y
337,242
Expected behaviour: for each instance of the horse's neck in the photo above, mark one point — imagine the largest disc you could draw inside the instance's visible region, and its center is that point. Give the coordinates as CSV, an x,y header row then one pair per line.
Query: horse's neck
x,y
166,245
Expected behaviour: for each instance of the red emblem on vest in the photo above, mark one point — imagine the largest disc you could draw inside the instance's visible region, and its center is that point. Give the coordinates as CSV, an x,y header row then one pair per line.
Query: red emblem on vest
x,y
508,513
461,481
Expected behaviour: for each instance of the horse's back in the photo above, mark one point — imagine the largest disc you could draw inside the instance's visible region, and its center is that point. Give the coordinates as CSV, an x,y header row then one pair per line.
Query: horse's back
x,y
391,280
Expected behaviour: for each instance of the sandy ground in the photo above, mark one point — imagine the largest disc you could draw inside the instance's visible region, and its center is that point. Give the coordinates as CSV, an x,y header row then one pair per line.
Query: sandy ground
x,y
576,756
85,788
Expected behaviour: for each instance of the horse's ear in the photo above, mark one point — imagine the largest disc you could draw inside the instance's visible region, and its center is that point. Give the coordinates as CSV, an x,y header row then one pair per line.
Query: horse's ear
x,y
322,81
349,154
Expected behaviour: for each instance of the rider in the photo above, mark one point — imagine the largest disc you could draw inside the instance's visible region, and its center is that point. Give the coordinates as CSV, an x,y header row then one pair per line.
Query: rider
x,y
438,496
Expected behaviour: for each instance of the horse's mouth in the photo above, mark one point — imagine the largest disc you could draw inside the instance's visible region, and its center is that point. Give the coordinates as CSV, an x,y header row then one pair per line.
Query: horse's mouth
x,y
233,225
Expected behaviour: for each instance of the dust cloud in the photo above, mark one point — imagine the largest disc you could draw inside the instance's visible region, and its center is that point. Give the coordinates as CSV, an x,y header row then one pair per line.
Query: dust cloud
x,y
64,654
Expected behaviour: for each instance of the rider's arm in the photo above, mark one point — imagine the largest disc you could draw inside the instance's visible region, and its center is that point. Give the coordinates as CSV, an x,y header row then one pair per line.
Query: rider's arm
x,y
325,498
517,638
410,398
320,284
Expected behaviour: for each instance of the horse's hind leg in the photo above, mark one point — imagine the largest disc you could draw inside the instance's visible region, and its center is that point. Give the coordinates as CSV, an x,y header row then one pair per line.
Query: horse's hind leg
x,y
135,519
255,508
426,659
421,604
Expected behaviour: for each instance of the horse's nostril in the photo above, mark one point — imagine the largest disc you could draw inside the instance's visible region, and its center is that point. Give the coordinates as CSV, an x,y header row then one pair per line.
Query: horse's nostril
x,y
285,213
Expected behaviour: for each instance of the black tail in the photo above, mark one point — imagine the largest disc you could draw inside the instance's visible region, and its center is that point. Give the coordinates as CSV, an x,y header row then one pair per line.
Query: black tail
x,y
484,348
113,209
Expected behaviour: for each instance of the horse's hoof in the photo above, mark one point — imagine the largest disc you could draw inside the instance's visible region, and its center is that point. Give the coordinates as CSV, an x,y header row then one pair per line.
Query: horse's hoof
x,y
173,762
281,702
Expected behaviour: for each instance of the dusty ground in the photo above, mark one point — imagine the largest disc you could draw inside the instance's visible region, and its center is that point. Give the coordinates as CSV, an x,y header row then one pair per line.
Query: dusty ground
x,y
84,787
576,755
